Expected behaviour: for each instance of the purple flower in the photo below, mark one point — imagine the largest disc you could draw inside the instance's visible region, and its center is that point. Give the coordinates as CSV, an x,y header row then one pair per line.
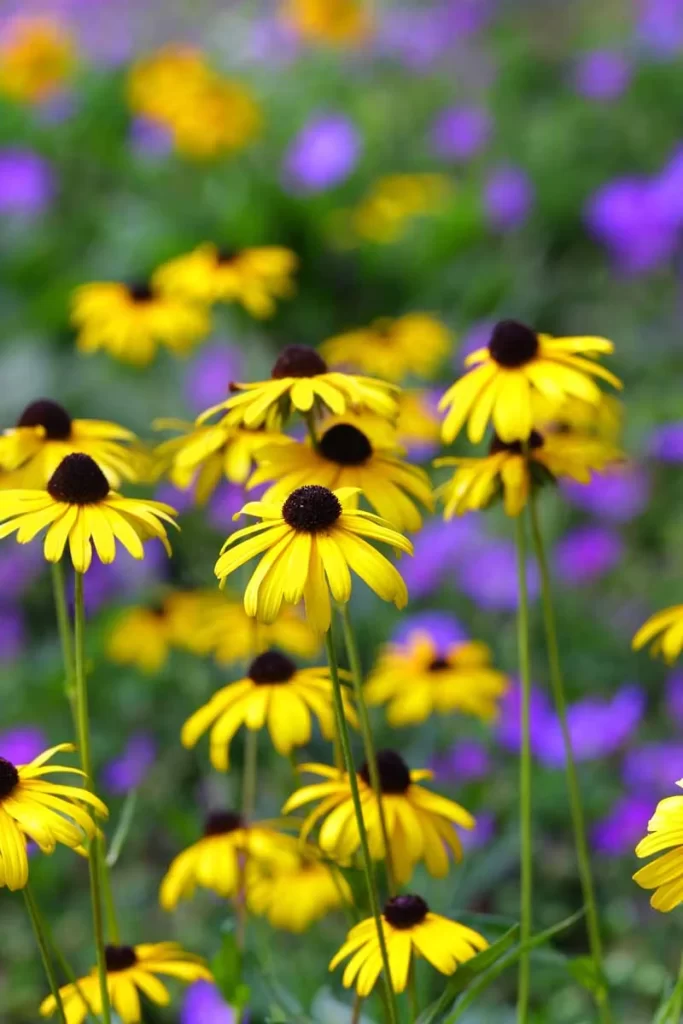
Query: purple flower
x,y
19,567
322,155
628,216
209,375
12,634
653,768
482,833
602,75
228,500
149,139
476,336
181,501
22,744
619,832
508,198
26,182
666,442
438,548
660,25
674,698
130,769
587,553
467,761
413,36
272,41
617,495
443,629
666,190
488,576
204,1004
459,133
508,730
597,727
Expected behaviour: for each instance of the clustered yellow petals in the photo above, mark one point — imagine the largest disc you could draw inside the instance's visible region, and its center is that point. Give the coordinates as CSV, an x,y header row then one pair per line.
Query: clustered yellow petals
x,y
37,57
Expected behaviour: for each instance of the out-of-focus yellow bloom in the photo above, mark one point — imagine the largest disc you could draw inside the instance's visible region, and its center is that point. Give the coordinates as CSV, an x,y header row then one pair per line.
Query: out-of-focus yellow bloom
x,y
664,874
37,57
415,343
226,631
394,200
605,419
293,895
140,637
417,427
341,22
665,631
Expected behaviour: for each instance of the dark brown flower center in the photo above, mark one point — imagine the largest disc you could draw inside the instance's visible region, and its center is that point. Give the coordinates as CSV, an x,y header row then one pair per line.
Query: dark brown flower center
x,y
515,447
405,911
9,778
439,665
119,958
298,361
78,480
271,667
224,255
513,344
394,774
49,415
140,291
345,445
218,823
311,509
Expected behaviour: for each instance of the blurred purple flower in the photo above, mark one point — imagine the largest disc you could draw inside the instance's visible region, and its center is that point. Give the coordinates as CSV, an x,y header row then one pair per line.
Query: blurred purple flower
x,y
181,501
467,761
129,770
413,36
442,627
26,182
660,25
439,547
125,576
476,336
666,190
22,743
272,41
586,553
617,495
509,727
150,139
602,75
674,698
204,1004
628,216
228,500
12,634
19,567
666,442
322,155
482,833
597,727
459,133
653,768
508,198
488,576
208,377
619,832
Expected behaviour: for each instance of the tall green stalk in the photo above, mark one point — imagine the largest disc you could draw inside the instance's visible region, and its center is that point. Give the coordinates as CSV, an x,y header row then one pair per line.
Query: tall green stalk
x,y
65,637
526,845
43,945
575,802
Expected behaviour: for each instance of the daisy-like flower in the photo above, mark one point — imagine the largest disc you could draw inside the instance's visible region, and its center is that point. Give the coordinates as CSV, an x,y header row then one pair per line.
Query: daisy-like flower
x,y
226,631
274,692
419,822
131,321
131,971
36,58
45,434
516,364
301,381
46,812
345,456
410,929
416,343
394,200
78,506
513,470
309,545
340,22
664,631
140,637
255,277
664,874
416,679
292,895
214,861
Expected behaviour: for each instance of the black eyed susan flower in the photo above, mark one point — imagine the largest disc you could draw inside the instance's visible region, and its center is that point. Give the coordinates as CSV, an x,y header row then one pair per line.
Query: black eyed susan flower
x,y
345,456
131,321
419,823
517,364
140,637
225,631
411,929
664,874
46,812
131,971
665,631
301,381
416,679
293,894
274,693
79,507
341,22
515,467
391,349
309,545
37,57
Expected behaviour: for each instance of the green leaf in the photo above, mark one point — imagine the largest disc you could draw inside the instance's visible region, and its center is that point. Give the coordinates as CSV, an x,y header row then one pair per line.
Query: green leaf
x,y
583,970
671,1010
226,967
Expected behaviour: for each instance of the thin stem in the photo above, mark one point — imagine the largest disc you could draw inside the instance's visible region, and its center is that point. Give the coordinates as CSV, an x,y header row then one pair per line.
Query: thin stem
x,y
526,870
65,638
368,741
575,802
412,993
357,1008
368,867
249,774
41,939
310,424
107,896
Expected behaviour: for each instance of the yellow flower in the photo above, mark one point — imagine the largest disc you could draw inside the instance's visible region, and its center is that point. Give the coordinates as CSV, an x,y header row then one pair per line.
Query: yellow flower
x,y
292,895
254,277
391,349
345,456
604,419
45,811
309,544
140,637
410,930
36,58
417,680
45,434
215,861
225,630
340,22
131,321
418,424
394,201
664,874
507,467
419,823
301,381
275,692
79,507
516,365
161,81
131,970
665,629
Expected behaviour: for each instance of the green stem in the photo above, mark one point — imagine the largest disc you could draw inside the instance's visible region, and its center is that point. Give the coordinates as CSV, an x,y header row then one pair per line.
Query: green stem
x,y
41,939
310,424
412,993
368,741
575,802
249,774
368,866
526,872
65,638
357,1007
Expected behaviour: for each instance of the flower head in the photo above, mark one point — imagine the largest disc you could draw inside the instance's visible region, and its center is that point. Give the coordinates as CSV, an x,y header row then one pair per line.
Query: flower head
x,y
140,637
340,22
391,348
602,75
508,198
664,874
322,155
460,133
129,770
26,182
292,895
664,631
587,553
36,58
224,630
204,1004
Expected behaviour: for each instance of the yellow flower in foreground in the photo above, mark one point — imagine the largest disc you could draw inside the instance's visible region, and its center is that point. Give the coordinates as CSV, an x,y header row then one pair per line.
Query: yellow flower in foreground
x,y
665,630
416,343
508,468
225,630
410,930
79,507
309,545
665,874
44,811
131,971
254,277
36,58
131,321
292,895
332,21
419,823
416,680
516,364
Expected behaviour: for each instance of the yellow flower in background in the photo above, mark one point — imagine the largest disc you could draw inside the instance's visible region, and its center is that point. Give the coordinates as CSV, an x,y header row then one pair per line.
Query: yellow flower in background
x,y
254,277
131,321
604,419
77,506
37,57
340,22
665,631
420,824
159,82
275,693
664,874
415,679
44,811
293,895
394,201
225,631
345,457
392,349
301,381
418,425
309,545
131,971
516,365
140,637
508,468
410,930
